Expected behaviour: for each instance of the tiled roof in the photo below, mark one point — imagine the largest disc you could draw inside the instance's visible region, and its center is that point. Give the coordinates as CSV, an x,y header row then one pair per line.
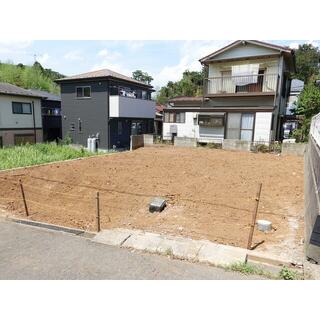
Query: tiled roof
x,y
45,94
7,88
184,98
256,42
104,73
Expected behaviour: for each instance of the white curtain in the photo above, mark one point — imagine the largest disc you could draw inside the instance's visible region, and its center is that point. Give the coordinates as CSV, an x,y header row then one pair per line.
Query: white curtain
x,y
245,74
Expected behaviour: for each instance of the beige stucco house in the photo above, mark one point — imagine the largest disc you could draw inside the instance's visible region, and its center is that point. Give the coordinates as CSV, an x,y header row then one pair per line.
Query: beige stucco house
x,y
20,116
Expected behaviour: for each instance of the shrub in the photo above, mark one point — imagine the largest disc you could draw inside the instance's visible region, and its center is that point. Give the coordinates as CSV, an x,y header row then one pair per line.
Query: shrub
x,y
287,274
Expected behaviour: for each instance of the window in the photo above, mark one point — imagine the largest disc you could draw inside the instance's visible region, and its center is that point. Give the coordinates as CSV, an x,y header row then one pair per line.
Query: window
x,y
240,126
174,117
79,125
247,120
144,95
21,108
72,127
210,121
83,92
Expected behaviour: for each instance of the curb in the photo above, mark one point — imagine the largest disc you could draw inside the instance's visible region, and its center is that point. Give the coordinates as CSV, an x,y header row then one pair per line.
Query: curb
x,y
74,231
202,251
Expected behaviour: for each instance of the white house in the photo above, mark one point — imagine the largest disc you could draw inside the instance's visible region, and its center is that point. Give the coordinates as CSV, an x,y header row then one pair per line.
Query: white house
x,y
20,116
245,94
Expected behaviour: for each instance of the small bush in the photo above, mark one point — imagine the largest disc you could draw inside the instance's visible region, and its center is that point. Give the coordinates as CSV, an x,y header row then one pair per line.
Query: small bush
x,y
287,274
262,148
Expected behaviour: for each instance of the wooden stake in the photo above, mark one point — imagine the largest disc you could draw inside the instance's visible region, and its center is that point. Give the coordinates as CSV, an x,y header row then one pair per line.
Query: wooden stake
x,y
24,198
254,217
98,212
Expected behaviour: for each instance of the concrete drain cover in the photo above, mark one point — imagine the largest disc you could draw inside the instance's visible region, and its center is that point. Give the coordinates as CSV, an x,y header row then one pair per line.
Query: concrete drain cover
x,y
157,204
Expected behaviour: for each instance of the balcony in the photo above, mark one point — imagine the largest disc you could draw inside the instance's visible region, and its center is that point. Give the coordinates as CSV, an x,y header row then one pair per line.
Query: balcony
x,y
244,85
126,107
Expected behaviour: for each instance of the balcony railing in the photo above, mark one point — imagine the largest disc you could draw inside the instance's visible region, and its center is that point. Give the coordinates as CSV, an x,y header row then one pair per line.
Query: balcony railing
x,y
246,84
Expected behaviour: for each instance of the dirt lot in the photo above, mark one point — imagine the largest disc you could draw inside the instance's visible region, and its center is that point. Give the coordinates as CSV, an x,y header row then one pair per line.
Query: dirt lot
x,y
210,193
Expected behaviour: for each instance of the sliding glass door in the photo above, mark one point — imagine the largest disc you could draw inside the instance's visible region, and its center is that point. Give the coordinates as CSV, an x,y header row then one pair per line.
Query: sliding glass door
x,y
240,126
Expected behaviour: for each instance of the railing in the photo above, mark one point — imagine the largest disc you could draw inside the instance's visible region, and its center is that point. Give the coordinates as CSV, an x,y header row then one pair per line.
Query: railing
x,y
255,83
315,128
46,111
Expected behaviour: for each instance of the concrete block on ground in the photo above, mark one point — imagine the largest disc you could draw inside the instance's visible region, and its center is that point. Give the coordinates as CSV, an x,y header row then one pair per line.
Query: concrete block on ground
x,y
218,254
295,149
148,139
185,142
113,237
235,144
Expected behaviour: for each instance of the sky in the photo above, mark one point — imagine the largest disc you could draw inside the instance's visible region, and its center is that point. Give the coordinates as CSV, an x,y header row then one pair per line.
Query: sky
x,y
163,60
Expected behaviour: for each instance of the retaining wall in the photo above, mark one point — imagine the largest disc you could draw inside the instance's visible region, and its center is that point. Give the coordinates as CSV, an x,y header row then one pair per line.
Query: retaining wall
x,y
185,142
312,200
295,149
233,144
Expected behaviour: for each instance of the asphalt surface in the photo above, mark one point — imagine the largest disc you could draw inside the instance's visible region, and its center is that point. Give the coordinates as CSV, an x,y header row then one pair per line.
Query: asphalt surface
x,y
28,252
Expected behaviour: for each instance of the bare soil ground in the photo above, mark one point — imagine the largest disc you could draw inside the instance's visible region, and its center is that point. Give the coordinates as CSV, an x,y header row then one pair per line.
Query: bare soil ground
x,y
210,194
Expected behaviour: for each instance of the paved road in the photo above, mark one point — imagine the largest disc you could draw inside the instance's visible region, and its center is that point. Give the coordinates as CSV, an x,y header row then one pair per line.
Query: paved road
x,y
36,253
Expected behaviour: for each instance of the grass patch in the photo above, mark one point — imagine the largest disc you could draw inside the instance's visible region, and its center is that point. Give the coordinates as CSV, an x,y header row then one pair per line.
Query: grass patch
x,y
28,155
248,269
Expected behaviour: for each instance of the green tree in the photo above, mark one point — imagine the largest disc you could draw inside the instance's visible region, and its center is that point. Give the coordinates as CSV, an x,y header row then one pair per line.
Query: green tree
x,y
308,105
190,85
30,77
142,76
307,62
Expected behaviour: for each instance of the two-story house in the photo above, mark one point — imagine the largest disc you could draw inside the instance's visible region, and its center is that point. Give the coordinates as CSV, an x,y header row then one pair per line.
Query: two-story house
x,y
51,115
245,94
108,104
20,116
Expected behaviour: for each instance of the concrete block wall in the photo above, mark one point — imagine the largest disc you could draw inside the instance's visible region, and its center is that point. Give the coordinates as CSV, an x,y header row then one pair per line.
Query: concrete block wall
x,y
185,142
295,149
136,142
233,144
148,139
312,200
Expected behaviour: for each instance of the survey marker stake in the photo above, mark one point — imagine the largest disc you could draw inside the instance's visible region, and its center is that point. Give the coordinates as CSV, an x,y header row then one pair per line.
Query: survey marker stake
x,y
24,198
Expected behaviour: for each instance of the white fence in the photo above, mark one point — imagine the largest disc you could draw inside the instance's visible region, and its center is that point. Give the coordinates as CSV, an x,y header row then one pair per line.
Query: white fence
x,y
315,128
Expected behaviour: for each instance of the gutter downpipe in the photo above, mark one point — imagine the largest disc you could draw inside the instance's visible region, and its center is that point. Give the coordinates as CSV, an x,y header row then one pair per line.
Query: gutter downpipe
x,y
34,123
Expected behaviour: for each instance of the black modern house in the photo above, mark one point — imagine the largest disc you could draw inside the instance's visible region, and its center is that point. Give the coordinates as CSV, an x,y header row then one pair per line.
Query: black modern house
x,y
51,115
105,104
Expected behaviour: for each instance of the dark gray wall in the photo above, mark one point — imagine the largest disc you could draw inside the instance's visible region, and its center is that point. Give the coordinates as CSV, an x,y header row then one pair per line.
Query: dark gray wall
x,y
312,201
93,112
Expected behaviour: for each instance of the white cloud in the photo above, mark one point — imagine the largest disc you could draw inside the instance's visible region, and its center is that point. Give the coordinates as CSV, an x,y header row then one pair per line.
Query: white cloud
x,y
110,55
8,46
73,55
190,53
135,45
294,45
114,66
43,58
103,53
314,43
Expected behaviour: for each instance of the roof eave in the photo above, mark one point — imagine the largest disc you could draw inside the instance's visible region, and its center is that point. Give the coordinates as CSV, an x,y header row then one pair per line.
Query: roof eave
x,y
58,81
